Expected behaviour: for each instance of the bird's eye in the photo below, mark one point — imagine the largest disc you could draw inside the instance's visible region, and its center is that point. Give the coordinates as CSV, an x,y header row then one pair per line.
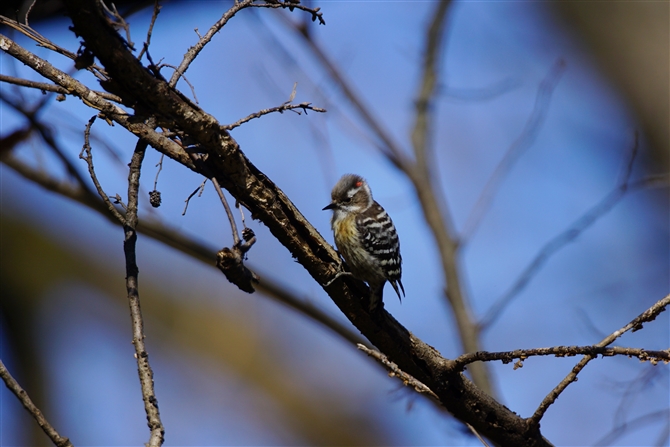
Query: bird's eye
x,y
346,200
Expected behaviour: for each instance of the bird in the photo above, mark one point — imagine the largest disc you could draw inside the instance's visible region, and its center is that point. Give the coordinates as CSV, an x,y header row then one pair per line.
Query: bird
x,y
365,237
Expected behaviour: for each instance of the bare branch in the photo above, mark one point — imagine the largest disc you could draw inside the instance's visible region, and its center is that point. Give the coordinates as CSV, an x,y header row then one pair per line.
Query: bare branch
x,y
291,5
30,8
395,371
157,431
90,98
305,106
46,43
433,203
648,315
87,156
229,213
51,87
519,146
35,412
118,21
644,355
154,16
200,188
159,165
193,52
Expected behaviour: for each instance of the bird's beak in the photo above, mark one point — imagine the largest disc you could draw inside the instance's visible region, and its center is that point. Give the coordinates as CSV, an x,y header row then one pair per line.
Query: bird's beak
x,y
330,206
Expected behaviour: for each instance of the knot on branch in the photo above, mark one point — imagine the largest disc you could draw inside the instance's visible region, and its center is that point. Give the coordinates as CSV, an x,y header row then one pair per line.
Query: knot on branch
x,y
231,262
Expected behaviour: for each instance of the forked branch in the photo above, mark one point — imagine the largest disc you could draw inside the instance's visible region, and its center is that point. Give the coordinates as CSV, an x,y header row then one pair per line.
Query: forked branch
x,y
648,315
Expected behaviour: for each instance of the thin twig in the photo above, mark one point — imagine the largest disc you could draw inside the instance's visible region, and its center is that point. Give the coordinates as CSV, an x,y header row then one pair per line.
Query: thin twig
x,y
118,22
87,156
305,106
156,428
200,188
524,141
395,371
35,412
229,213
30,8
648,315
154,16
644,355
244,223
159,165
91,99
193,52
316,12
195,97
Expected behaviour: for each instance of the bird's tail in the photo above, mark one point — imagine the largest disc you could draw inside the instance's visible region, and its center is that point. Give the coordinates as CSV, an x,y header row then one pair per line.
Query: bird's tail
x,y
395,285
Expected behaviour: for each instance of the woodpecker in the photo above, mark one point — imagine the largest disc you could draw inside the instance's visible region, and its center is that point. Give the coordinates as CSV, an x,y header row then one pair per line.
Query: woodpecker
x,y
365,237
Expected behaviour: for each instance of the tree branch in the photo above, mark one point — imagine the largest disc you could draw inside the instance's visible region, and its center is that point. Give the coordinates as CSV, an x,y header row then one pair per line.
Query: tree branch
x,y
154,16
193,52
157,431
305,106
635,325
394,371
42,41
50,87
35,412
644,355
229,213
88,158
90,98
